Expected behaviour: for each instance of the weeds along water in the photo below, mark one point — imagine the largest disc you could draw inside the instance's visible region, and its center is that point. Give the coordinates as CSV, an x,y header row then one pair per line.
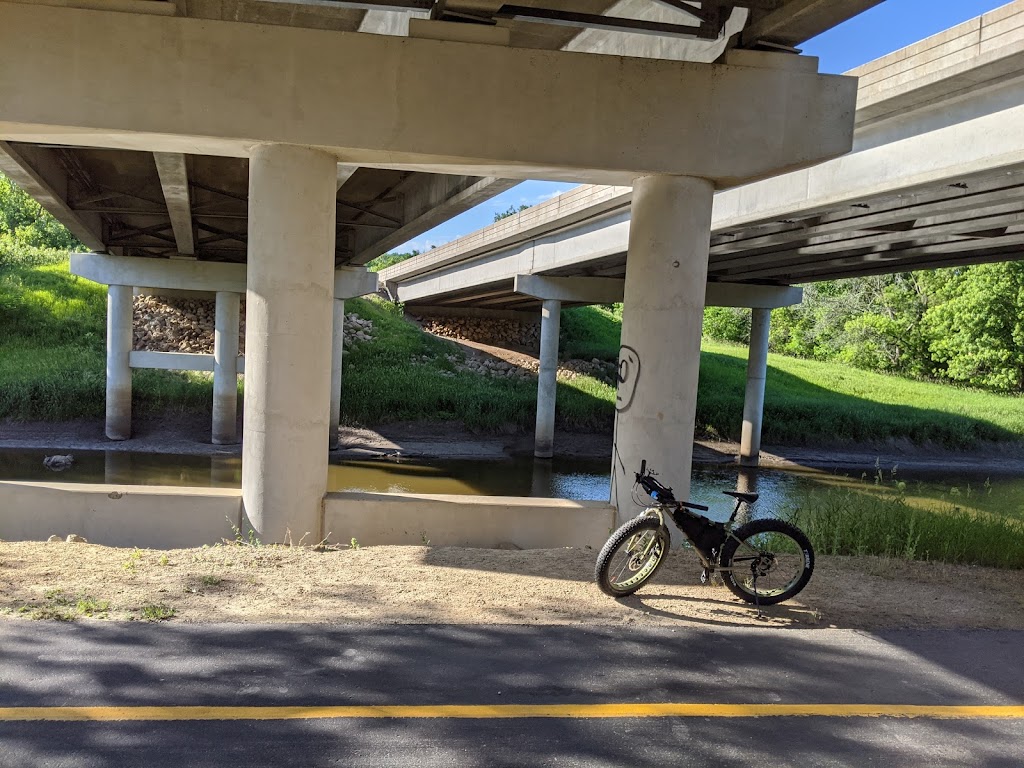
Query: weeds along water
x,y
888,523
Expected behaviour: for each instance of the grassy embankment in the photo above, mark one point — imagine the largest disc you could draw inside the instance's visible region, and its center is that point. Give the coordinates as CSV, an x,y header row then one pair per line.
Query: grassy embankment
x,y
51,368
52,339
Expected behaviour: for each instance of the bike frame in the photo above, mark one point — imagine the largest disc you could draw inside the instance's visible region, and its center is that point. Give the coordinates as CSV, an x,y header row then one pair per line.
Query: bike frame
x,y
675,508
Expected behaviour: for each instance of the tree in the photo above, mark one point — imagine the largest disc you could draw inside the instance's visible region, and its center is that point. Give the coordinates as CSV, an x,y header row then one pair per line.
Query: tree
x,y
386,260
977,330
25,223
512,211
727,324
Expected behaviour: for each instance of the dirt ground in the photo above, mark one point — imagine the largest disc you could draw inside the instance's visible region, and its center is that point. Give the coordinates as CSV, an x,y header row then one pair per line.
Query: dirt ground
x,y
447,585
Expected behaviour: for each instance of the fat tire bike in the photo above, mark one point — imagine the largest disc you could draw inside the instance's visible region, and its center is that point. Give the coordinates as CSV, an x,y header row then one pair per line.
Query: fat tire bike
x,y
764,561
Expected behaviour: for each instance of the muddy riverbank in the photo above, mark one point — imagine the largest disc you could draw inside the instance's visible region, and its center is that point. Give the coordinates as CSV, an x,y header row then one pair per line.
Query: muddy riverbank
x,y
188,434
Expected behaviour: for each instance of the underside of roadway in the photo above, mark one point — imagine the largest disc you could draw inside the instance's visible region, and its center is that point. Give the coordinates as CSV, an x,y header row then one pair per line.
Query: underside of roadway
x,y
243,695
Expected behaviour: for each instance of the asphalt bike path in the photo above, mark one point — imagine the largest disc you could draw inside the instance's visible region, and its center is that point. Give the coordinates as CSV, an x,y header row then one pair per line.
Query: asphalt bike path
x,y
108,694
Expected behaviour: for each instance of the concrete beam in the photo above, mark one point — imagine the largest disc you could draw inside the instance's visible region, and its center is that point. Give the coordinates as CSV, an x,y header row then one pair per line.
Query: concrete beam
x,y
798,20
159,273
382,22
752,296
440,199
37,172
155,7
353,282
174,180
983,145
913,257
963,60
178,361
345,172
580,204
349,282
578,290
213,87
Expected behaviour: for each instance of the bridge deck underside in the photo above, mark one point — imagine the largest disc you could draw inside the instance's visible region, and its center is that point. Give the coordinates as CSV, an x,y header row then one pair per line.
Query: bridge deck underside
x,y
972,220
121,190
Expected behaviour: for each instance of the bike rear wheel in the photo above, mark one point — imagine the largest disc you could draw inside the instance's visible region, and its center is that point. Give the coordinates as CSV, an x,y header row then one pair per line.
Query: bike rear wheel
x,y
631,556
767,561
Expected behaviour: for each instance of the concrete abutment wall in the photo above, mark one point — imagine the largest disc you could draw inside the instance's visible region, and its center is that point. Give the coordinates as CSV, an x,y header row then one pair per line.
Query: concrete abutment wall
x,y
157,517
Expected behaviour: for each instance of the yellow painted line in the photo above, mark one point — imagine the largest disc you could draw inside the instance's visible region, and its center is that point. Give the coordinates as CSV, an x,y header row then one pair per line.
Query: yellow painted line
x,y
492,711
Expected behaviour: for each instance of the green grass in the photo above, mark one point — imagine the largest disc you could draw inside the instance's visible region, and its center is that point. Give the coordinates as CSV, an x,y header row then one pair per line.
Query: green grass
x,y
589,332
809,402
52,368
52,341
381,385
157,612
853,522
57,605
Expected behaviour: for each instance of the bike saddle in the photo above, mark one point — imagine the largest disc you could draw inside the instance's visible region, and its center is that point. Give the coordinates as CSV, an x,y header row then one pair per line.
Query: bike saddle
x,y
749,498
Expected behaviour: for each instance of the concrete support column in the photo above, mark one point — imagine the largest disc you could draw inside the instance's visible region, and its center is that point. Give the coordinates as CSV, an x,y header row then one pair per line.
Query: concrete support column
x,y
547,379
663,307
119,372
337,350
753,402
290,290
225,369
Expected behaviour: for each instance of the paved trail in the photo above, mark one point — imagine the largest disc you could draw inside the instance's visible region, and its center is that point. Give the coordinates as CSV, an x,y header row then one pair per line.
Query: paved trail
x,y
99,694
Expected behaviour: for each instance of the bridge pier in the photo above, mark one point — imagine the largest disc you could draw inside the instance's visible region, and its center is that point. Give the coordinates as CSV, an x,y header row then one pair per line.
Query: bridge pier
x,y
288,355
349,283
337,351
225,369
662,314
547,379
553,291
119,371
753,401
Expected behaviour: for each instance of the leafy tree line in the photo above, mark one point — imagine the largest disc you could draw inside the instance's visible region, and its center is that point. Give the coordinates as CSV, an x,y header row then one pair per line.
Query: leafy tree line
x,y
965,324
27,230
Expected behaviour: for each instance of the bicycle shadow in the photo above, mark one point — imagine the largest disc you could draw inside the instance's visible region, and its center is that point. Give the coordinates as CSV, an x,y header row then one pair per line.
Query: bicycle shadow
x,y
732,614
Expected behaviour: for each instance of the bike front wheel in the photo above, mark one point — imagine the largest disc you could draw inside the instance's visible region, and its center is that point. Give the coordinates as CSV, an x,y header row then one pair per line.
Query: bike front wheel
x,y
631,556
767,561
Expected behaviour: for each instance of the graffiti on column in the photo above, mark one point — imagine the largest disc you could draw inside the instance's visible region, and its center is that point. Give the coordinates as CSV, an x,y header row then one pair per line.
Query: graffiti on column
x,y
629,375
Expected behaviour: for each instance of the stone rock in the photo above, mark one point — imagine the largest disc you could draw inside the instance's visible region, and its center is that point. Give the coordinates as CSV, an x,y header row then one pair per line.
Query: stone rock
x,y
54,538
74,538
58,463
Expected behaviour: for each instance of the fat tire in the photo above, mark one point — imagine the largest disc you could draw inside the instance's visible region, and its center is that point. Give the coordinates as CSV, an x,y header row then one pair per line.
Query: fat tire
x,y
618,539
767,526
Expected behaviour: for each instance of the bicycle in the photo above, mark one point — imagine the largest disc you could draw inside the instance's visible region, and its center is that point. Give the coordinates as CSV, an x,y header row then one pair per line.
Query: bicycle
x,y
764,561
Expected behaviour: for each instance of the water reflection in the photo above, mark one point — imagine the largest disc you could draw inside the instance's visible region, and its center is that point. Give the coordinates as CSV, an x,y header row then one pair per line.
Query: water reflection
x,y
583,479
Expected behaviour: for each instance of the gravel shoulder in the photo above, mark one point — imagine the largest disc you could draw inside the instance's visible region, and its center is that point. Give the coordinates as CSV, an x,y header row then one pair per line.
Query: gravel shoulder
x,y
447,585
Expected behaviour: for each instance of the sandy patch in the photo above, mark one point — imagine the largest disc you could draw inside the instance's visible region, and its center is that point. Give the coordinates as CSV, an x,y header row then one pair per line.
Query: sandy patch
x,y
447,585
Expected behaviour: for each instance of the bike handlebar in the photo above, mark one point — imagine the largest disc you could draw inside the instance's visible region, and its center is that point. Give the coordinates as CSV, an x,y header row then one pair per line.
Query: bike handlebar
x,y
654,489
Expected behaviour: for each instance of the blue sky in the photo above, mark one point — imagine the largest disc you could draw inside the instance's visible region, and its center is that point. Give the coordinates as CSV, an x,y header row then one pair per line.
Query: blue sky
x,y
883,29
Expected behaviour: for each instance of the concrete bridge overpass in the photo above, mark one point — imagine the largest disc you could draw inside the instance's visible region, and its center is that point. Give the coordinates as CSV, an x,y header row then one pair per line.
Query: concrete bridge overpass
x,y
296,137
935,178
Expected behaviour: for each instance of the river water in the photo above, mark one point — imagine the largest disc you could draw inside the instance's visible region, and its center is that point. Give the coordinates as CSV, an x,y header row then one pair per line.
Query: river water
x,y
583,479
